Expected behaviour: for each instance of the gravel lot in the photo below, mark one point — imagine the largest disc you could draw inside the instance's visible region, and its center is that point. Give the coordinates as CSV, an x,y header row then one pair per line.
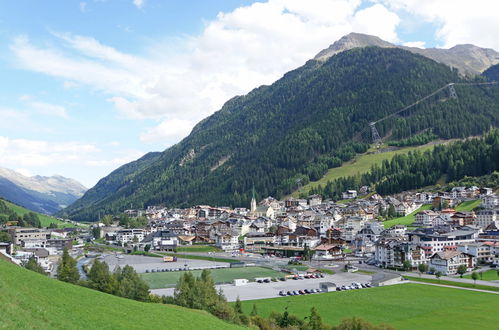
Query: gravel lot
x,y
254,290
142,263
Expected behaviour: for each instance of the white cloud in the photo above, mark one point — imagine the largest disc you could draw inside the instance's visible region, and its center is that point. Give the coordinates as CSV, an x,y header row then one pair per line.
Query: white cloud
x,y
24,152
168,130
139,3
236,52
458,21
418,44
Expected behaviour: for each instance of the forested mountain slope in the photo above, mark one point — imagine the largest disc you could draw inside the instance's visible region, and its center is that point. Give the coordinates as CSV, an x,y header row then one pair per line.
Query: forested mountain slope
x,y
286,134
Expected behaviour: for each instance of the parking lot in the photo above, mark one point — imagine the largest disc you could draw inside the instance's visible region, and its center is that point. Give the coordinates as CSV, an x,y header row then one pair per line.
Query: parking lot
x,y
141,264
255,290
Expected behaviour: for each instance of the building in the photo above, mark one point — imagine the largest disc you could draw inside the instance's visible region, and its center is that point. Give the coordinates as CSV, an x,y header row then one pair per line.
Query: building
x,y
490,201
228,242
128,236
482,252
425,218
349,194
486,217
447,262
383,279
20,234
162,240
328,252
433,241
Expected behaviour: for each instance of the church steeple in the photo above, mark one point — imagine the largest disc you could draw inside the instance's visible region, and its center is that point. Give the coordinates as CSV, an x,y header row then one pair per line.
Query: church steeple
x,y
253,202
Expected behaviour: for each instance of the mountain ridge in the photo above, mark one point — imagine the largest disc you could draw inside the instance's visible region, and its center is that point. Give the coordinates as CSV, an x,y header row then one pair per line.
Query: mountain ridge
x,y
44,194
467,58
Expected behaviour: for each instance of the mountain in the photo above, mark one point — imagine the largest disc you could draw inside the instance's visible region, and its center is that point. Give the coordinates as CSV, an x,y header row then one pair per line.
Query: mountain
x,y
39,193
281,136
468,59
51,304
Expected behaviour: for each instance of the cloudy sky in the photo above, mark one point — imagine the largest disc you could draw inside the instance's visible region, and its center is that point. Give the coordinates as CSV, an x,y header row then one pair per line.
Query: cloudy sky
x,y
87,86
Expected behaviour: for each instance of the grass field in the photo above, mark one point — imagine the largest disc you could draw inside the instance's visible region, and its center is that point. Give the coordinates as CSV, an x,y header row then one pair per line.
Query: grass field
x,y
198,248
468,205
454,283
32,301
169,279
489,275
44,219
405,306
407,220
360,164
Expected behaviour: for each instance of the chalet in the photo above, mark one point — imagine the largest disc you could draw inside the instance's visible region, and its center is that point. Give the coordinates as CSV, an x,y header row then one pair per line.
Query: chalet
x,y
367,236
483,253
447,262
228,242
425,219
314,200
463,218
328,252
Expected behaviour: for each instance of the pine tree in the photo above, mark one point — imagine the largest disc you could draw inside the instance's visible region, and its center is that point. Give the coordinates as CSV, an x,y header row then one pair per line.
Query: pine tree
x,y
67,271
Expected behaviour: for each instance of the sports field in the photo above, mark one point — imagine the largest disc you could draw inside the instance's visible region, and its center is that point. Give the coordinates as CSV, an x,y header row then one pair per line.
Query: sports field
x,y
169,279
404,306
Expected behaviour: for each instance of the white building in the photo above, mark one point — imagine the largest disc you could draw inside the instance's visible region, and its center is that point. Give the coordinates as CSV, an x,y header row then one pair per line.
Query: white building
x,y
448,262
126,236
486,217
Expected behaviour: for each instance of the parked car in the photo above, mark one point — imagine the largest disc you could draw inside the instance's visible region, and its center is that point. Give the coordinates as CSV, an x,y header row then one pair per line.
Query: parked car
x,y
281,293
266,280
289,293
301,292
295,293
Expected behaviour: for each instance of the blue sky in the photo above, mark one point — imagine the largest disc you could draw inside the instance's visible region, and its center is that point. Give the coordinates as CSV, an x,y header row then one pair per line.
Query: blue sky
x,y
86,86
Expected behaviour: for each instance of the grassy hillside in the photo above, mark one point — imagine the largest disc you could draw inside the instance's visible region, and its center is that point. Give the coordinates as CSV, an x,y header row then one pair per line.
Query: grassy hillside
x,y
170,279
468,205
359,165
407,306
31,300
44,219
408,219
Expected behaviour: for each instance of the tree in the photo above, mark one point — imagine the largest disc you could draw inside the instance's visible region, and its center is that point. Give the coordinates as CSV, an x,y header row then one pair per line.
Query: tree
x,y
107,220
147,247
96,232
67,271
33,265
101,279
481,275
5,237
315,321
130,284
407,265
474,277
306,253
238,308
461,270
53,225
432,270
254,311
438,275
422,268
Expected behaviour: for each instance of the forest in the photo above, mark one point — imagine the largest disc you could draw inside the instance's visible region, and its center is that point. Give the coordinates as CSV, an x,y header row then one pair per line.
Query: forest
x,y
281,136
474,157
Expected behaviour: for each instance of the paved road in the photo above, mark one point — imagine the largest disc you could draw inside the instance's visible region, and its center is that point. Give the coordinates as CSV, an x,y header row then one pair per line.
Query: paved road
x,y
255,290
453,279
454,287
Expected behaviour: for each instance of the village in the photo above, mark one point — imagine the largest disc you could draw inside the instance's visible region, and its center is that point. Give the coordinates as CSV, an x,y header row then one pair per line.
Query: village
x,y
349,231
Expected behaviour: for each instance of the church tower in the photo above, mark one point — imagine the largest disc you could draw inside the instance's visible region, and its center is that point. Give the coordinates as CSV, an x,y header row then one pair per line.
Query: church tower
x,y
253,202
